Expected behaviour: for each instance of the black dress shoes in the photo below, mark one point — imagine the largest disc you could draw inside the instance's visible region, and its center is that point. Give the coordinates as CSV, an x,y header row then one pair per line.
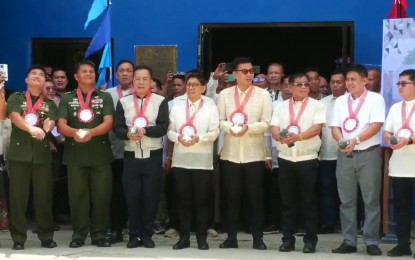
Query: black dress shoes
x,y
48,243
148,242
287,246
344,249
134,242
75,243
101,243
18,246
259,244
373,250
229,243
203,245
309,248
182,243
399,251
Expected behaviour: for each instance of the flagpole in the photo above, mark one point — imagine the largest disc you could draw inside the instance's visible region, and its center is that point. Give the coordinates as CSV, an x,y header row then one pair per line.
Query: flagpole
x,y
398,9
110,68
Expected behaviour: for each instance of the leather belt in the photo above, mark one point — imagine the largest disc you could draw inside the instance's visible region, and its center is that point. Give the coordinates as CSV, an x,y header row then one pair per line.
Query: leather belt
x,y
367,149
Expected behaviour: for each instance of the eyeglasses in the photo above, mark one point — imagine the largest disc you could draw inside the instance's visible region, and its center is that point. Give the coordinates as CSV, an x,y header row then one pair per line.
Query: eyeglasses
x,y
125,70
258,80
403,83
245,71
299,84
194,85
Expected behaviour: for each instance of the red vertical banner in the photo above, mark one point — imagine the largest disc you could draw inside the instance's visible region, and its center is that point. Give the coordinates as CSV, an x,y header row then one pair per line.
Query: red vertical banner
x,y
398,9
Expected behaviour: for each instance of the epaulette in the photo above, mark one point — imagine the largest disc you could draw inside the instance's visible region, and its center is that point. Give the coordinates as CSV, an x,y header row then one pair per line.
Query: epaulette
x,y
21,93
72,91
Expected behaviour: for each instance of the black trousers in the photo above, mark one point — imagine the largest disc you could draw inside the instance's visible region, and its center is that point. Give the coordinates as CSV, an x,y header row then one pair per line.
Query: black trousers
x,y
238,179
118,214
142,180
194,193
272,198
328,195
402,191
60,178
172,200
297,182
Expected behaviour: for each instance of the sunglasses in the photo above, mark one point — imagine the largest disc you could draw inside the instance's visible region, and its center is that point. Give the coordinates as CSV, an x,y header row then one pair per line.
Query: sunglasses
x,y
403,83
193,85
245,71
259,80
298,84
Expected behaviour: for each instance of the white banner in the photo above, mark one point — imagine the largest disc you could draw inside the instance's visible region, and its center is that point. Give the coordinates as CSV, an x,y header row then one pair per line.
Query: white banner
x,y
398,55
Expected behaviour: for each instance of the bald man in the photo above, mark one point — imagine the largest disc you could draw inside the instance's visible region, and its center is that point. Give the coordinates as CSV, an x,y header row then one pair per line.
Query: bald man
x,y
373,83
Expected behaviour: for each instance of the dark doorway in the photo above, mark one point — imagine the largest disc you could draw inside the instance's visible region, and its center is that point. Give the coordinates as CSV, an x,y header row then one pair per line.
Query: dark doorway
x,y
62,53
295,45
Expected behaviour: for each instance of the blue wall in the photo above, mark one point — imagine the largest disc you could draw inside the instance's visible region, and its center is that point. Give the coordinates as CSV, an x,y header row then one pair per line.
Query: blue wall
x,y
167,22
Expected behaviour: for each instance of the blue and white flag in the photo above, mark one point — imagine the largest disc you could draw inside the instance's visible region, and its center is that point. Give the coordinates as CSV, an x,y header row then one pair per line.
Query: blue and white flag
x,y
106,63
97,8
102,36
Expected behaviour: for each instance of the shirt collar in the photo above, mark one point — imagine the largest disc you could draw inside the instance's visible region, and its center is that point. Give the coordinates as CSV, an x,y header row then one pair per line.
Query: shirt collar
x,y
196,104
298,102
410,103
240,91
357,99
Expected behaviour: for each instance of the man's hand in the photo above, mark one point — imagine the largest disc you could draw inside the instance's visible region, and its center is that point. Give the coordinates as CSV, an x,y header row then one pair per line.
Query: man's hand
x,y
83,136
276,136
186,143
268,164
242,132
349,148
402,142
219,71
48,125
169,77
292,138
36,132
167,165
141,132
134,136
195,139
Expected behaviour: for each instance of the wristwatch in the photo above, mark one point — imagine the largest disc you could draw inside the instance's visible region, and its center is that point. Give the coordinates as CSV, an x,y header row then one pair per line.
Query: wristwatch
x,y
357,140
411,141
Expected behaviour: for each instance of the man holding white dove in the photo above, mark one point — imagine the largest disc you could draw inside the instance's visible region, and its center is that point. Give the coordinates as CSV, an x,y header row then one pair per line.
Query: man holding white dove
x,y
244,115
30,159
85,118
142,119
194,126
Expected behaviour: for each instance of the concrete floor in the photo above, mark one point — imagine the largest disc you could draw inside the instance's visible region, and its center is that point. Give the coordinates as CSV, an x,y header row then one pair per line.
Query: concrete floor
x,y
163,249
